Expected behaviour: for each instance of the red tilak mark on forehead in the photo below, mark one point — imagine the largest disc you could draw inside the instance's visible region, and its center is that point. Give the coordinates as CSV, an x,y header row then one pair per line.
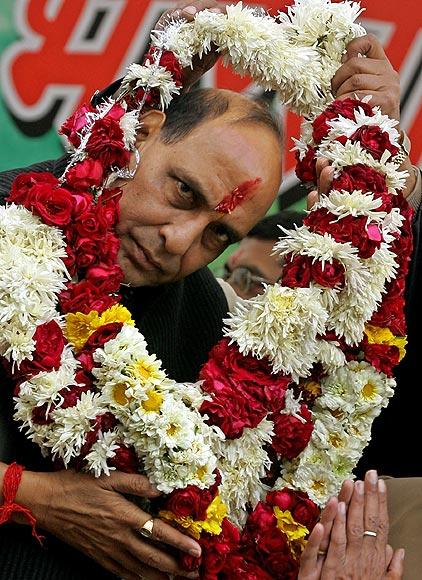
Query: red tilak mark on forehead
x,y
235,198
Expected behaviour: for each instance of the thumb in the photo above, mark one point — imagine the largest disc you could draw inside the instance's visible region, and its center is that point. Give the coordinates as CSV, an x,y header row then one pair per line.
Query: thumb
x,y
396,567
131,483
312,199
367,45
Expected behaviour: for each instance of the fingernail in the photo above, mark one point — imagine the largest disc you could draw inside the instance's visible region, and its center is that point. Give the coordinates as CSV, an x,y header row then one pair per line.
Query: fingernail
x,y
190,10
382,488
195,552
342,508
373,477
359,487
402,553
215,10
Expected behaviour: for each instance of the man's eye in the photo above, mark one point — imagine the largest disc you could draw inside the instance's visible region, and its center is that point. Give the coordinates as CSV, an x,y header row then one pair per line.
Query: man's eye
x,y
220,235
185,191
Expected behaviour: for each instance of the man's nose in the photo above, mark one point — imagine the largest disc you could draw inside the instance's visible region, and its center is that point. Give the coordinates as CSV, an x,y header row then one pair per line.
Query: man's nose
x,y
179,236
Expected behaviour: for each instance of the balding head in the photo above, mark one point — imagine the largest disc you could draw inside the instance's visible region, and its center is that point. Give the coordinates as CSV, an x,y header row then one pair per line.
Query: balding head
x,y
188,111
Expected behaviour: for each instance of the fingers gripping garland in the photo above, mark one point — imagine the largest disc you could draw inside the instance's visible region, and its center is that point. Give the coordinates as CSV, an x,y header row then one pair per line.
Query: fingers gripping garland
x,y
284,406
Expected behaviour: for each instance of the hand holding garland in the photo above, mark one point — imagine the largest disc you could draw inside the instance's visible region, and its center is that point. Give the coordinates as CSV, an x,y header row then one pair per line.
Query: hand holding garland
x,y
93,516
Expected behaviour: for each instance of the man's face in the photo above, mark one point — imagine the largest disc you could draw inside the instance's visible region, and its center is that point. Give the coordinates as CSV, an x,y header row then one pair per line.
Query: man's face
x,y
252,264
168,225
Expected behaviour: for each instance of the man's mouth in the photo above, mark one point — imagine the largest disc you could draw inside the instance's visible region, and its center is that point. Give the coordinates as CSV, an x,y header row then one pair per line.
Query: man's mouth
x,y
145,259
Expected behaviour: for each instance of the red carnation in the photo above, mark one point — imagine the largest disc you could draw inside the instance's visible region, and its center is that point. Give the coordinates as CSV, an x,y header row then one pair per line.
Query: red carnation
x,y
328,274
85,296
73,126
383,357
125,460
374,140
360,177
306,167
296,271
49,344
85,174
24,183
291,434
106,144
303,509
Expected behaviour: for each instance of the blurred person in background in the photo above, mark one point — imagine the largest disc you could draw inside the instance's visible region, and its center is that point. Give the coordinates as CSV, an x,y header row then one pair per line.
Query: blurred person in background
x,y
252,264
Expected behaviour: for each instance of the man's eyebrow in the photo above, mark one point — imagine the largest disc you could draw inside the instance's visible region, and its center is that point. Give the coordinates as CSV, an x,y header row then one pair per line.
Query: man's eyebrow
x,y
198,189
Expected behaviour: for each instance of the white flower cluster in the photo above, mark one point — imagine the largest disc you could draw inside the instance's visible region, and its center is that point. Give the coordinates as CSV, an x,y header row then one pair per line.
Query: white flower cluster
x,y
32,274
281,324
158,416
151,76
243,462
297,55
351,397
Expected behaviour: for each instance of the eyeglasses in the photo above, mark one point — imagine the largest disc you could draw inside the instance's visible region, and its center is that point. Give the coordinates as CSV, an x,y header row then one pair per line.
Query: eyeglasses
x,y
242,279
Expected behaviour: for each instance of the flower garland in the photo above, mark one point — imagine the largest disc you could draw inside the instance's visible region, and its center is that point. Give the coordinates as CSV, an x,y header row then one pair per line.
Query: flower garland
x,y
284,406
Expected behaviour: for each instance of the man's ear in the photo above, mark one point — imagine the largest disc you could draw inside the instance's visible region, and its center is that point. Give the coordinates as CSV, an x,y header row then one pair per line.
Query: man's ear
x,y
150,123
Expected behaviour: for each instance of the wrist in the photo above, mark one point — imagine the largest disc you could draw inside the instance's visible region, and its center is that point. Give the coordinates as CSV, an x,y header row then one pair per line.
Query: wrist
x,y
33,493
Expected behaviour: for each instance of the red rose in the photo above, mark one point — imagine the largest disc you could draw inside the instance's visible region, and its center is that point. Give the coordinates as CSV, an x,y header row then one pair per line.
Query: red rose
x,y
108,207
346,108
190,501
70,260
108,277
296,271
49,344
73,126
90,224
86,253
85,296
382,356
215,550
71,395
85,174
306,167
291,435
303,510
374,140
83,204
102,335
24,183
106,144
360,177
53,205
109,249
328,275
125,460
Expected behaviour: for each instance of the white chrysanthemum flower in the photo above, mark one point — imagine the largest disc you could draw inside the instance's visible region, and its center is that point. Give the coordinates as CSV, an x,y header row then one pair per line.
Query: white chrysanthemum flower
x,y
243,462
281,324
152,76
174,425
355,203
341,126
129,124
32,274
101,451
357,304
330,355
352,153
71,426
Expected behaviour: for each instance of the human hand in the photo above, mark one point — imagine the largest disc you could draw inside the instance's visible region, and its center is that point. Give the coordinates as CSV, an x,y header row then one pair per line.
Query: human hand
x,y
352,553
325,174
93,516
372,75
188,10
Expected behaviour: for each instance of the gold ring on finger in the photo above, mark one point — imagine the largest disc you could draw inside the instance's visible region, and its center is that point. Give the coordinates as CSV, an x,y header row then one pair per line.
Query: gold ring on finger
x,y
147,529
370,533
322,553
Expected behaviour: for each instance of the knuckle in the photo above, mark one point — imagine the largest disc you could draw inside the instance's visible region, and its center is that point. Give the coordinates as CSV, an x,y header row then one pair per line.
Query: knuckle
x,y
356,531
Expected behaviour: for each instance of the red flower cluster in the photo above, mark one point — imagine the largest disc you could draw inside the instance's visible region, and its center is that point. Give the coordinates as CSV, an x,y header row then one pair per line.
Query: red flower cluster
x,y
306,167
345,108
299,271
242,388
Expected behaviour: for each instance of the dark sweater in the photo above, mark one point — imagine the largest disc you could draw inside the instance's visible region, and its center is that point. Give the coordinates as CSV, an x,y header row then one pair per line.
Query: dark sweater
x,y
181,322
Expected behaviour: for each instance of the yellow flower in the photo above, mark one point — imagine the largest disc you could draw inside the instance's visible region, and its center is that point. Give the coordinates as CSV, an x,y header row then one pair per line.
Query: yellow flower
x,y
119,394
216,512
79,326
147,370
378,335
153,402
287,524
